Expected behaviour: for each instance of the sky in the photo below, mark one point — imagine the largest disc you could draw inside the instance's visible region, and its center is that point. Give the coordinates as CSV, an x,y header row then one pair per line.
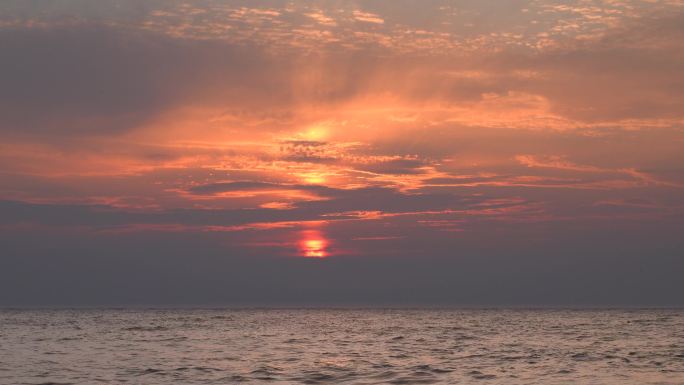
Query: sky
x,y
342,153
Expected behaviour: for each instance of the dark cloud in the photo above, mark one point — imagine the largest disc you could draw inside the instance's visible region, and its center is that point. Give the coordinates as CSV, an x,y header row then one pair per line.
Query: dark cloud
x,y
396,166
247,186
465,180
166,269
93,79
630,72
338,202
215,188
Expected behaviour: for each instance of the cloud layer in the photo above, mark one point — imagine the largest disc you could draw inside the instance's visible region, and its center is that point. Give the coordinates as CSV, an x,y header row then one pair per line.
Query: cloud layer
x,y
542,137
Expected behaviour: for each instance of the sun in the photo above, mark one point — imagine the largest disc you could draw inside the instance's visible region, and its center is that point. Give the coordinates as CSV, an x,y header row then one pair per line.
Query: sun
x,y
314,248
313,245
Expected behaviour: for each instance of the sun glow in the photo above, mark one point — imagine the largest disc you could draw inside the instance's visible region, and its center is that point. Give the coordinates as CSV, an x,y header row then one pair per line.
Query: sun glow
x,y
315,132
313,178
313,245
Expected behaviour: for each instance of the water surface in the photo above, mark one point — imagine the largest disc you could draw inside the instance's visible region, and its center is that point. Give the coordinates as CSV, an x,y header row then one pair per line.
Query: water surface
x,y
342,346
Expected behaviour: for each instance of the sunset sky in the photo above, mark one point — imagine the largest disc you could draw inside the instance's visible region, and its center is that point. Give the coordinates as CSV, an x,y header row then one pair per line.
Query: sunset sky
x,y
474,152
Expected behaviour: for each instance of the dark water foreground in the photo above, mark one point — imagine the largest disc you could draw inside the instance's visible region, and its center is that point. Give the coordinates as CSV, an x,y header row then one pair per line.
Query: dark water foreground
x,y
342,346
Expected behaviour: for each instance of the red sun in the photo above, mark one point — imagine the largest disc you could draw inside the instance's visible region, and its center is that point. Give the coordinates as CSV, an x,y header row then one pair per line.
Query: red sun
x,y
313,245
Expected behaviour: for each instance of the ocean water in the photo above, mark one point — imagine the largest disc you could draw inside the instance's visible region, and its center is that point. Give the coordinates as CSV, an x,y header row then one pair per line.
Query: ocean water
x,y
341,346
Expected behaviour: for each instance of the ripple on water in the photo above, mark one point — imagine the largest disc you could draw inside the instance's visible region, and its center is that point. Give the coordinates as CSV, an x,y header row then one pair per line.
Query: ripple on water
x,y
636,347
476,374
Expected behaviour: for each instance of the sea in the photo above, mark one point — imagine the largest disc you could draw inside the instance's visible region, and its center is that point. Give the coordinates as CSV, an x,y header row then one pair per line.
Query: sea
x,y
342,346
